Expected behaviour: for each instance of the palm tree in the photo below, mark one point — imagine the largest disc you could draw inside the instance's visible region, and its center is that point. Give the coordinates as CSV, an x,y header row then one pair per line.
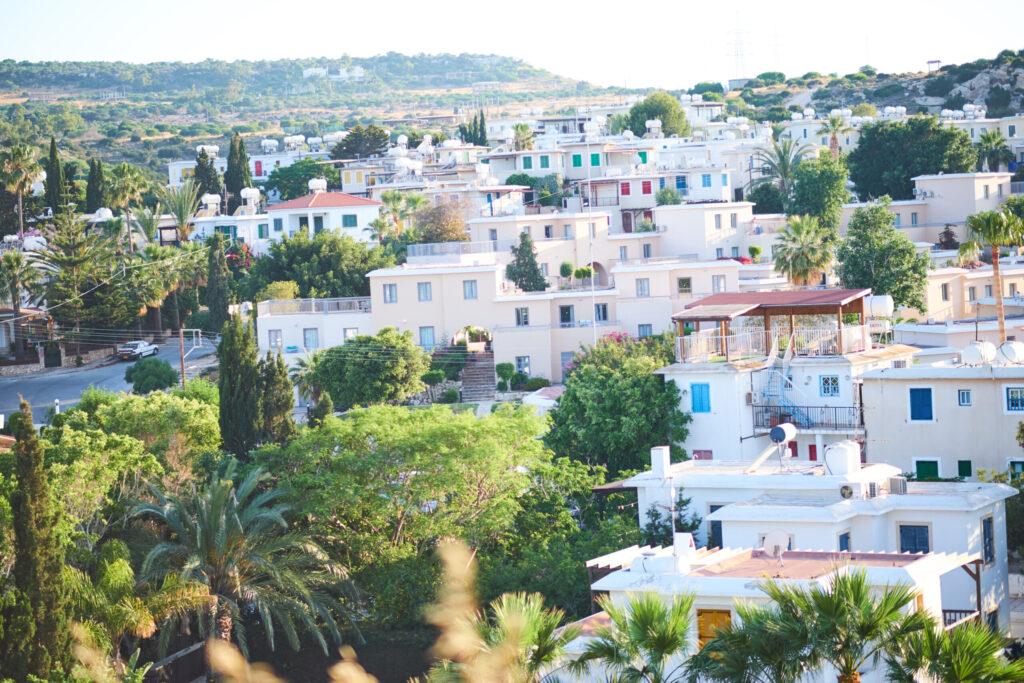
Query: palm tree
x,y
834,126
970,652
520,623
646,642
18,170
993,151
844,624
159,281
126,187
749,652
147,223
306,378
397,211
994,229
234,539
182,202
115,605
522,137
778,164
802,251
18,276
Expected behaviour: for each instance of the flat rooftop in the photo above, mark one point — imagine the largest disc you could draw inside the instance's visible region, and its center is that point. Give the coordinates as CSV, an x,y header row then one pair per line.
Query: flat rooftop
x,y
798,564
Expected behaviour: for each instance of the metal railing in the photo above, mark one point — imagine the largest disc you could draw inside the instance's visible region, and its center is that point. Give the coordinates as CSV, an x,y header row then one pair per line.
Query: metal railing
x,y
707,346
951,618
657,230
826,341
1017,188
808,417
359,304
434,249
575,324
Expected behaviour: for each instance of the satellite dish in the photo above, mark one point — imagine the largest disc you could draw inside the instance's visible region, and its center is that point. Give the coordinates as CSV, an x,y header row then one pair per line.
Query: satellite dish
x,y
776,542
846,491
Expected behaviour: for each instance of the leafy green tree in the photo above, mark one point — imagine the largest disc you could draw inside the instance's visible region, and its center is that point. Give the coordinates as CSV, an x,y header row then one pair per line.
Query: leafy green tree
x,y
385,484
668,196
18,170
660,529
767,198
95,187
237,175
36,639
441,223
320,410
292,181
803,250
54,184
206,176
234,539
396,215
778,165
647,639
970,652
218,293
325,265
890,153
279,289
362,141
523,136
662,106
150,374
876,256
615,408
278,400
523,270
384,368
238,386
819,190
994,230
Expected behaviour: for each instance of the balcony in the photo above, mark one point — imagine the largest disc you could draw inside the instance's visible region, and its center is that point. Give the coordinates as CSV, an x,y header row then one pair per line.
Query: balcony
x,y
708,346
840,418
359,304
1017,188
445,250
951,618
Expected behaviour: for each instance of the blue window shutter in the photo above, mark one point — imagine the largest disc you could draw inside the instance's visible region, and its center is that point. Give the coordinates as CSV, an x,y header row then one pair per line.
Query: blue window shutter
x,y
920,404
700,397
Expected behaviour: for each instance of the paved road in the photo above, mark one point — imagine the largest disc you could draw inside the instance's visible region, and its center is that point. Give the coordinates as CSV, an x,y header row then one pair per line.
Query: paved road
x,y
67,385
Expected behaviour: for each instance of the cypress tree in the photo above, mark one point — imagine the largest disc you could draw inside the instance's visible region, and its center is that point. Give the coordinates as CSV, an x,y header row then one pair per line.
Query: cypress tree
x,y
207,178
278,400
218,295
36,638
239,385
237,175
319,411
523,270
54,184
95,191
482,131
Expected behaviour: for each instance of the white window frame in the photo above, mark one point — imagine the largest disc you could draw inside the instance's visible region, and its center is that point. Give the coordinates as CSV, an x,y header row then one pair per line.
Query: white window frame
x,y
1006,398
472,289
960,394
643,288
424,292
390,293
526,365
833,389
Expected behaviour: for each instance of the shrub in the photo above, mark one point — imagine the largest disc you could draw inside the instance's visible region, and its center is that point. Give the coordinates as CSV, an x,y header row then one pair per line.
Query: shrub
x,y
565,270
502,385
535,383
150,374
518,381
505,370
449,396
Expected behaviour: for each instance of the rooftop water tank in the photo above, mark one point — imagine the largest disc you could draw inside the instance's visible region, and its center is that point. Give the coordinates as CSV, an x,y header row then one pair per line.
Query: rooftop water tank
x,y
317,184
210,199
250,195
842,457
879,306
1012,351
978,353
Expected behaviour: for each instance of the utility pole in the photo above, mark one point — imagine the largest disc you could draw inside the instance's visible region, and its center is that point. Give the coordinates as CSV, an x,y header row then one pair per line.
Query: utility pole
x,y
181,353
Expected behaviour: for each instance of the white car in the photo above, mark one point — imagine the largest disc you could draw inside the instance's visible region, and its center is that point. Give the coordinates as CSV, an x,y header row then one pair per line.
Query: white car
x,y
134,350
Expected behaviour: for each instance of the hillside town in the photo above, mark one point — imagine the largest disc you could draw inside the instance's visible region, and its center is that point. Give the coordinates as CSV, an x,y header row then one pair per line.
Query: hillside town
x,y
650,389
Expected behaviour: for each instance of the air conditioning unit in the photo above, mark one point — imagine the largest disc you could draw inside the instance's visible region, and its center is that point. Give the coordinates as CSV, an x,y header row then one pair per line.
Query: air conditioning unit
x,y
897,485
750,398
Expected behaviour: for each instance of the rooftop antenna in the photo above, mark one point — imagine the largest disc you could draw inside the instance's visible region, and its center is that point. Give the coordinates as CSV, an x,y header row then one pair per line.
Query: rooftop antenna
x,y
934,64
738,53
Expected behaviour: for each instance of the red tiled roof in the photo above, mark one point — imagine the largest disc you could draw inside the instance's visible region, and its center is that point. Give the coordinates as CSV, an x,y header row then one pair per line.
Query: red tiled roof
x,y
324,200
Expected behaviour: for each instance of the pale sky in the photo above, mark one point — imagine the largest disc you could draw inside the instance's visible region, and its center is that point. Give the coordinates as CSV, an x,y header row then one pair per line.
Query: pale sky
x,y
659,43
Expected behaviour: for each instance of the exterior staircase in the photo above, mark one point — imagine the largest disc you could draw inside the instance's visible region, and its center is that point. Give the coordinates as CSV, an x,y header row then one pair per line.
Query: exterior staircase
x,y
478,378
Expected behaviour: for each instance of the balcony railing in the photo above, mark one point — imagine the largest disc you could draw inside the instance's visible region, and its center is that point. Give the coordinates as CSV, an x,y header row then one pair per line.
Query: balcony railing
x,y
818,341
707,347
808,417
358,304
951,618
435,249
1017,188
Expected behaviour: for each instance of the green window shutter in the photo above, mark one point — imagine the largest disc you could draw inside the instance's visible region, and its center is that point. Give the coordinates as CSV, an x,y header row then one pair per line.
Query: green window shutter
x,y
527,163
577,160
927,469
348,220
263,231
545,161
595,158
964,468
643,156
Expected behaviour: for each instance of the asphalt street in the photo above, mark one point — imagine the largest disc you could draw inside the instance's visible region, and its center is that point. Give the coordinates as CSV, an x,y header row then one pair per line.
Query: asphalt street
x,y
67,384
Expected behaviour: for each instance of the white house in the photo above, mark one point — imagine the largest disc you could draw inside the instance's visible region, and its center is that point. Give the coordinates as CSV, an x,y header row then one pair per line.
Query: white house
x,y
296,326
322,210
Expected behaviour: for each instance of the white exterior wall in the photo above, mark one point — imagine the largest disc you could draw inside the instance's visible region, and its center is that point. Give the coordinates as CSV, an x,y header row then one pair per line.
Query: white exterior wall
x,y
331,330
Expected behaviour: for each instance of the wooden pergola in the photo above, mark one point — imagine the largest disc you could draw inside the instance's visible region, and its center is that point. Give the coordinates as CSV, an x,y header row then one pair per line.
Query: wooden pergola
x,y
721,309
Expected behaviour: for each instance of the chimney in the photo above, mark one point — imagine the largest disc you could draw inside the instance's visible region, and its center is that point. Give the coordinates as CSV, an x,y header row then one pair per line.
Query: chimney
x,y
660,460
684,549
